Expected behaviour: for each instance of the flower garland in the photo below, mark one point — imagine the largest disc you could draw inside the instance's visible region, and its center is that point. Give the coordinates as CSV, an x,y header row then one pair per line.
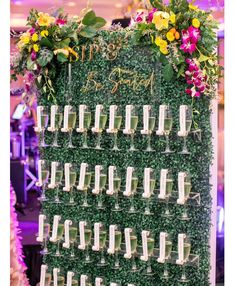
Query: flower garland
x,y
17,271
50,39
184,39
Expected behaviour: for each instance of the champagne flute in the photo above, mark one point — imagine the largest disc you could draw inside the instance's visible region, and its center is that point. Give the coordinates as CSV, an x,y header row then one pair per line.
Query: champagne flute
x,y
59,237
57,181
169,187
149,120
117,188
48,279
102,122
86,123
168,250
187,249
86,185
148,196
44,124
117,247
117,121
187,190
102,242
73,233
46,235
168,121
72,182
133,238
58,117
189,115
133,126
102,183
150,246
134,184
72,116
88,235
45,171
60,280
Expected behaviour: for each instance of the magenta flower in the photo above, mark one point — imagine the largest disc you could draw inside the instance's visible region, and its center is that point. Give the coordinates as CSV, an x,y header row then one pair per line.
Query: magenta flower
x,y
61,22
32,31
140,17
150,16
194,34
33,55
188,47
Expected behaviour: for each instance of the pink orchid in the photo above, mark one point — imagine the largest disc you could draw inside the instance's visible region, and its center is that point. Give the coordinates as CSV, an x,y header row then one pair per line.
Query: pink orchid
x,y
33,55
61,22
194,34
188,47
31,31
150,16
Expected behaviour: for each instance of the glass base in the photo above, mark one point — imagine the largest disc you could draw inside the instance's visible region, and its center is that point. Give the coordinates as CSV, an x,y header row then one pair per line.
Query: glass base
x,y
183,280
185,217
57,201
116,267
71,204
84,147
57,255
167,215
165,277
102,264
185,152
43,252
132,211
133,149
98,148
146,273
42,199
168,152
44,145
115,148
100,207
149,149
88,261
71,146
117,209
85,205
73,257
148,213
134,270
55,145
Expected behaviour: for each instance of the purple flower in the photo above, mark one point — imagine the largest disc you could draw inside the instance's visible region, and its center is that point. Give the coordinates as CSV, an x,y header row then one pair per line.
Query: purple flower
x,y
150,16
30,76
33,55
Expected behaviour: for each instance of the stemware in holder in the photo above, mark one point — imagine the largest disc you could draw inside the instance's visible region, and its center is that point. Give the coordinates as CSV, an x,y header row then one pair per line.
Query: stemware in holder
x,y
43,232
185,125
149,124
84,123
85,232
131,123
45,276
42,123
115,240
100,122
57,233
131,188
131,247
99,186
100,236
70,116
114,186
56,122
85,182
71,233
149,186
58,277
184,189
148,248
184,248
56,179
43,177
115,121
70,170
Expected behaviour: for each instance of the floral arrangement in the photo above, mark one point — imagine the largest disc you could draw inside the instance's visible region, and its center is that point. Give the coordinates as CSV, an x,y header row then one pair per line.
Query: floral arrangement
x,y
50,39
184,39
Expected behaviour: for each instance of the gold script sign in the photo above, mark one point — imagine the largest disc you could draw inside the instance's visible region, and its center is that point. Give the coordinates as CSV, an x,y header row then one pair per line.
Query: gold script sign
x,y
118,77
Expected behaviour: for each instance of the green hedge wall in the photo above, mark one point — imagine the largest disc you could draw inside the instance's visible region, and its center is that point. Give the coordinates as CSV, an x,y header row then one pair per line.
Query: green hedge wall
x,y
142,60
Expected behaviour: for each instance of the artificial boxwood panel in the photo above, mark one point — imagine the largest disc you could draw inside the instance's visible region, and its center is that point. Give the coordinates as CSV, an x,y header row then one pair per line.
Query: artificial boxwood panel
x,y
142,61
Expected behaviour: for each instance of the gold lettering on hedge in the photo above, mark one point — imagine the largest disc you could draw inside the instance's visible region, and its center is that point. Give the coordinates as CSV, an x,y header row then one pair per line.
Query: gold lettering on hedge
x,y
119,77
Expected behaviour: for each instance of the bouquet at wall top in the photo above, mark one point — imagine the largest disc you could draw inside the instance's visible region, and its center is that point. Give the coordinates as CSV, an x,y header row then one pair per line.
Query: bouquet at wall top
x,y
185,41
50,39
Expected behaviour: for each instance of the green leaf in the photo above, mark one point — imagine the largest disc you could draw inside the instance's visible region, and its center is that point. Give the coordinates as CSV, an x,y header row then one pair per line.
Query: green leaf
x,y
63,44
89,19
44,58
203,58
30,64
99,23
88,32
45,42
61,58
168,72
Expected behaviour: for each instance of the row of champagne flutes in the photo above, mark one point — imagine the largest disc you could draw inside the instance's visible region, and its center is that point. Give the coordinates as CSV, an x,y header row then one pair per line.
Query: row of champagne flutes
x,y
102,181
115,241
72,279
69,118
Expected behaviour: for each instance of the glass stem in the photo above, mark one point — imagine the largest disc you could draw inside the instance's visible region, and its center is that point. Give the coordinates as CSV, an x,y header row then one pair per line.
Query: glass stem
x,y
72,250
43,196
167,212
57,194
183,277
58,248
165,274
133,263
115,141
132,208
147,209
85,139
98,140
149,142
85,203
71,200
185,149
70,137
100,201
55,142
45,250
43,137
117,265
102,257
132,140
87,254
167,142
149,266
116,200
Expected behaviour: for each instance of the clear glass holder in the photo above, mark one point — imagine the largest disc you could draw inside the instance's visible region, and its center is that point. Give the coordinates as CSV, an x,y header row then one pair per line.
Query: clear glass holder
x,y
43,197
183,278
55,141
57,199
115,136
72,253
102,261
185,149
166,275
167,150
71,197
149,148
84,144
132,147
85,201
117,207
100,205
98,147
44,251
117,261
147,210
70,145
42,141
87,256
149,270
132,209
185,216
133,265
167,213
57,254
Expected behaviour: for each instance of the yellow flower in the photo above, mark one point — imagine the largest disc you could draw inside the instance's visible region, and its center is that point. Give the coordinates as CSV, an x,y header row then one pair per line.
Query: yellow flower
x,y
44,33
35,37
45,19
163,44
172,18
192,7
20,45
196,23
62,51
36,48
158,41
170,36
164,50
25,38
71,51
161,20
210,17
